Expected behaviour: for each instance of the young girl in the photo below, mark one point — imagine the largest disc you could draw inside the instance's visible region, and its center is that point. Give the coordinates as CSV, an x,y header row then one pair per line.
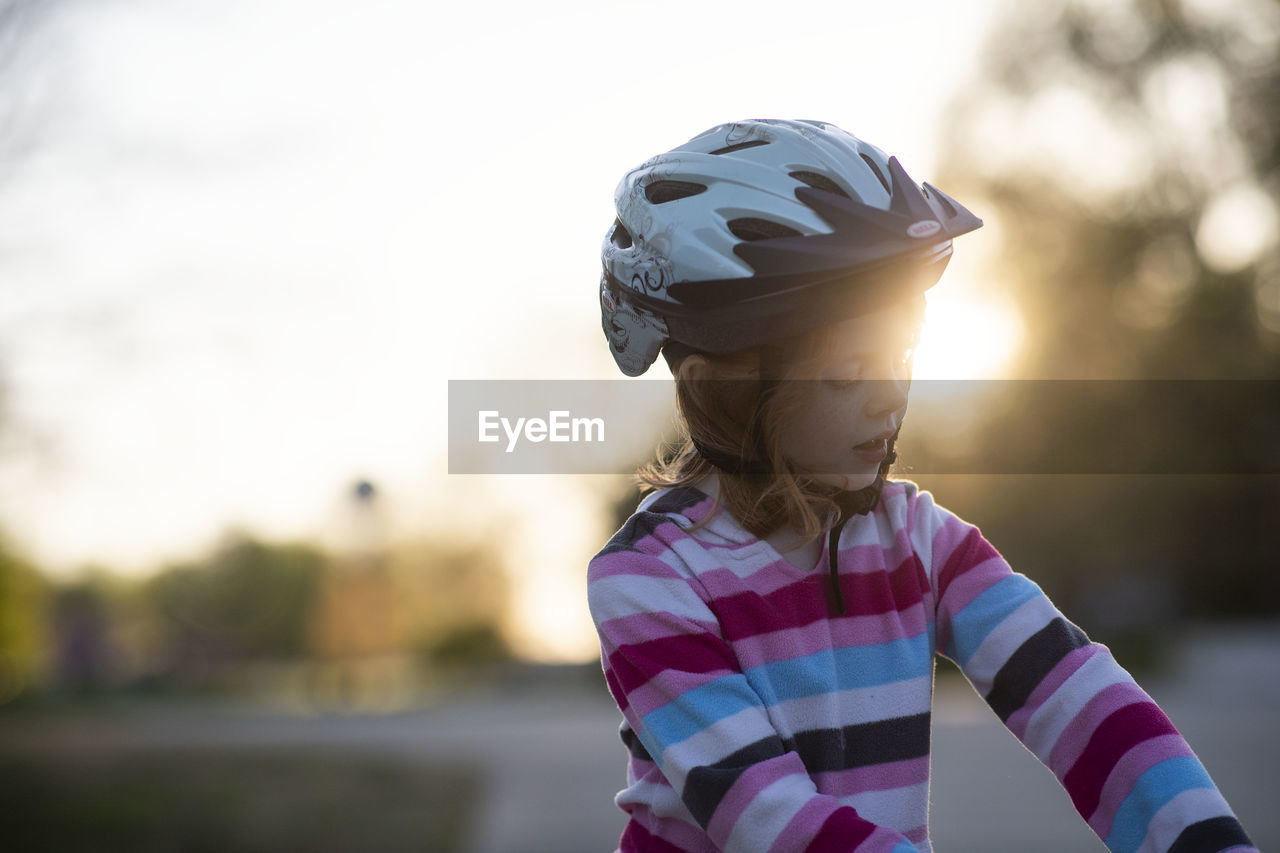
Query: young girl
x,y
770,614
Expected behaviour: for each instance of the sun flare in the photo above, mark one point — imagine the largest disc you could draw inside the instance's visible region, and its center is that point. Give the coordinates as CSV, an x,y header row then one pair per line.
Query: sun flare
x,y
968,338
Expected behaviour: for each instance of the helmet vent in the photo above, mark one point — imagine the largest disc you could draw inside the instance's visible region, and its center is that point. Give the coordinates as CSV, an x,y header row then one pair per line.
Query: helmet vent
x,y
941,199
620,237
749,230
661,192
876,170
739,146
820,182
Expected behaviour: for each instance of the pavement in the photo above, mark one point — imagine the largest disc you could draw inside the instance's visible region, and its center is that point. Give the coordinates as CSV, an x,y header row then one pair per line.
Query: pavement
x,y
551,760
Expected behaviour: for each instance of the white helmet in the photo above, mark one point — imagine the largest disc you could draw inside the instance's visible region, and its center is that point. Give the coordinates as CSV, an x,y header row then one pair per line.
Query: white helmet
x,y
757,231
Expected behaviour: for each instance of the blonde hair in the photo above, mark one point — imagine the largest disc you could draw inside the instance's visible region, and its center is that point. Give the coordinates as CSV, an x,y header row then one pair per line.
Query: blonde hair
x,y
736,415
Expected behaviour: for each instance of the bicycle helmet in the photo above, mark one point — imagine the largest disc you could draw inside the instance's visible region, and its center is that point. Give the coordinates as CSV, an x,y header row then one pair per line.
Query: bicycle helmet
x,y
757,231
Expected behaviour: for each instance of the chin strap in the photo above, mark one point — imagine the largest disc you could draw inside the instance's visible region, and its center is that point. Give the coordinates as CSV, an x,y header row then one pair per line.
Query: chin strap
x,y
853,503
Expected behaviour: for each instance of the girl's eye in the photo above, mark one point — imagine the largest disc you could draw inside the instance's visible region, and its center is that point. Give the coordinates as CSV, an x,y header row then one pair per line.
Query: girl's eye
x,y
844,378
854,372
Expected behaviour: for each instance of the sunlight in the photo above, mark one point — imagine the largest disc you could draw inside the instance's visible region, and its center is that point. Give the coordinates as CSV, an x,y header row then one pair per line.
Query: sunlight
x,y
551,623
967,338
548,620
1238,226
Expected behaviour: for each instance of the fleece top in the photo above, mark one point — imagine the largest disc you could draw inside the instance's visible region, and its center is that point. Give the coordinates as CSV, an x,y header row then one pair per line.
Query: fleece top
x,y
759,718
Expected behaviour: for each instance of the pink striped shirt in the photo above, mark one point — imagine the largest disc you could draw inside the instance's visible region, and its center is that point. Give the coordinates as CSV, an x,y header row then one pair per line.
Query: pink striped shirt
x,y
758,718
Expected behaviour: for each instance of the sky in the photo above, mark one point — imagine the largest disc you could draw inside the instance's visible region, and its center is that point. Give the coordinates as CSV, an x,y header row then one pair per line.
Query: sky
x,y
245,245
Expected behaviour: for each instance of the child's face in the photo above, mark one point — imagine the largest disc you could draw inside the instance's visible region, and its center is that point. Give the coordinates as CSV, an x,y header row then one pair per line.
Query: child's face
x,y
856,397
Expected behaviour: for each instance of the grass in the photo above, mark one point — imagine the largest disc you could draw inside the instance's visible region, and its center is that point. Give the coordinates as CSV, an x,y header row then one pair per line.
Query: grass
x,y
230,800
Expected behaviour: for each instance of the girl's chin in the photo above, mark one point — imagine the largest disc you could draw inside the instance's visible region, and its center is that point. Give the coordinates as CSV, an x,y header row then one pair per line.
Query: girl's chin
x,y
848,482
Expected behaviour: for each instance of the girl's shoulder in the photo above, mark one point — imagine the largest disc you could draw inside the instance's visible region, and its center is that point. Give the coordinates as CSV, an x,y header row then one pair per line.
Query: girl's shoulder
x,y
934,532
908,505
672,524
914,512
901,501
652,564
680,501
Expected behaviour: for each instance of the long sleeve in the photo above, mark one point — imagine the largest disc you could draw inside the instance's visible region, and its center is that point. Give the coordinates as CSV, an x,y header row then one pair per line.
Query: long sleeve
x,y
1127,770
697,716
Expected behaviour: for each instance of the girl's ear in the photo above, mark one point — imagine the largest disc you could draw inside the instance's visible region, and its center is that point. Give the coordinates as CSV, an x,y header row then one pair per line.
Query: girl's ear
x,y
696,367
693,368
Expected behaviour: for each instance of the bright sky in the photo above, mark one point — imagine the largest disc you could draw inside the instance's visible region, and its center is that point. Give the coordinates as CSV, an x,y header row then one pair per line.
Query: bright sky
x,y
250,242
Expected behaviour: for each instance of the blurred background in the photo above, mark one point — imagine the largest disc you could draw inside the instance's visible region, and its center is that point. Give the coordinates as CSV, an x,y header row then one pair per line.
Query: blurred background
x,y
244,246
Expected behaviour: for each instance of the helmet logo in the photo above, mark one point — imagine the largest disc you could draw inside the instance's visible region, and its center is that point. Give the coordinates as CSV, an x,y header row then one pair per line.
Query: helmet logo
x,y
924,228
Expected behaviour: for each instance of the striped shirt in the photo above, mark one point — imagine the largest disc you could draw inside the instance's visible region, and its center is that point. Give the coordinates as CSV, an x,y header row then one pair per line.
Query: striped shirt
x,y
757,718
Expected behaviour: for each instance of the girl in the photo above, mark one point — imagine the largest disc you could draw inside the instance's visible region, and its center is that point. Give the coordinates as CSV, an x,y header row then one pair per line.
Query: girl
x,y
770,614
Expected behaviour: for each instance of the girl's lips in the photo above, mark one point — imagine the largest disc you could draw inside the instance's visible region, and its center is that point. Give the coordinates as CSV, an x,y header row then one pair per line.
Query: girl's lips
x,y
881,439
872,451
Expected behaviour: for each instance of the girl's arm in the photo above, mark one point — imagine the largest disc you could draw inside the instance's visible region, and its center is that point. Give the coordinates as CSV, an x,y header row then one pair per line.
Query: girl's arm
x,y
683,693
1128,771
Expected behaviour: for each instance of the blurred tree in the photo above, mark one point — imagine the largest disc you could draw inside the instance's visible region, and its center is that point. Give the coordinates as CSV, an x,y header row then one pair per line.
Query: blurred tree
x,y
1127,155
247,601
456,596
468,646
22,630
84,619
